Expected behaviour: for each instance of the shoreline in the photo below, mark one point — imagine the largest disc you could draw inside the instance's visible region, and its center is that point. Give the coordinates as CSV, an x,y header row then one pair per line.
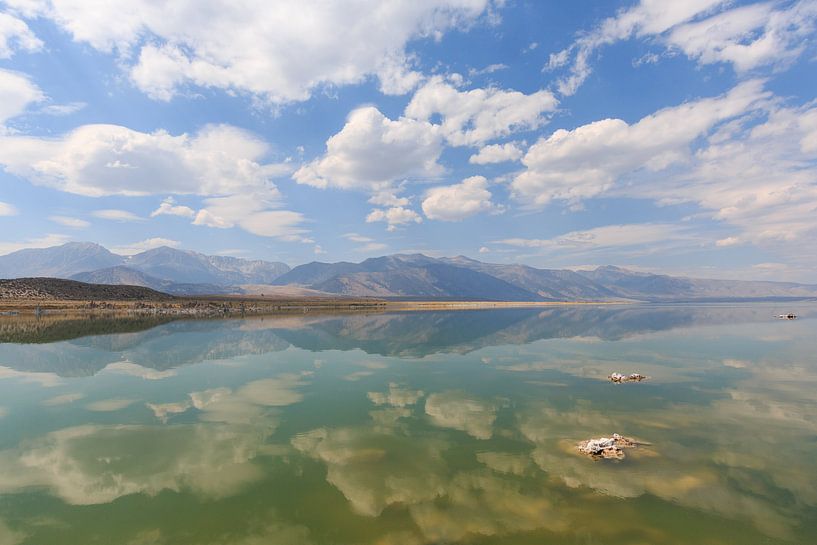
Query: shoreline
x,y
233,306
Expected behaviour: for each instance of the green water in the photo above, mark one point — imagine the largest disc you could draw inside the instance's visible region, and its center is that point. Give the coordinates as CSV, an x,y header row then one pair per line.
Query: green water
x,y
413,428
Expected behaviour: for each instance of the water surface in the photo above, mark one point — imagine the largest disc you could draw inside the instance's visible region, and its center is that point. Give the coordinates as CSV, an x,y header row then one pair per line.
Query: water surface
x,y
411,428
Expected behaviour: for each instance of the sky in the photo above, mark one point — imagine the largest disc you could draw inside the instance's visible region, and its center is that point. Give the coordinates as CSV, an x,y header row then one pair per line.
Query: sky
x,y
678,137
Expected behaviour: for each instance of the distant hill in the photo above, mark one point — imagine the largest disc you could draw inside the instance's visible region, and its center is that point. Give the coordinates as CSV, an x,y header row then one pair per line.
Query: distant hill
x,y
407,276
166,269
661,287
127,276
55,288
59,261
419,276
180,266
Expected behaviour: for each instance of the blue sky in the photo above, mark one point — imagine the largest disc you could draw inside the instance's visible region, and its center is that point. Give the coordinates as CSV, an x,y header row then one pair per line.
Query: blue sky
x,y
667,136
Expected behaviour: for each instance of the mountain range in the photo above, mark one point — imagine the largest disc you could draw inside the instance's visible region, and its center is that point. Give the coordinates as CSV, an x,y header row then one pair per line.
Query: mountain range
x,y
409,276
164,269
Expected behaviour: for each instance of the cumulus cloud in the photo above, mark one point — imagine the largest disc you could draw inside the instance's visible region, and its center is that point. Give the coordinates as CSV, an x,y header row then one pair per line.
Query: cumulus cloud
x,y
16,93
746,159
371,152
571,165
14,35
221,162
496,153
279,53
380,156
394,217
459,201
99,160
748,37
707,31
170,208
478,115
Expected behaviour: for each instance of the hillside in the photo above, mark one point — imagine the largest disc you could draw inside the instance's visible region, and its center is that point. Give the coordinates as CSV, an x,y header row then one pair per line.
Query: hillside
x,y
70,290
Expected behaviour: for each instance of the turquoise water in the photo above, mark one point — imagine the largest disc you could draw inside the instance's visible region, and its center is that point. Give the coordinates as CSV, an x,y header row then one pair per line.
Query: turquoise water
x,y
412,428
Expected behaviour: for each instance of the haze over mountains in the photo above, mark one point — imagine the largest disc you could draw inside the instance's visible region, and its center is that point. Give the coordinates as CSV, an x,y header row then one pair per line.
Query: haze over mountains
x,y
407,276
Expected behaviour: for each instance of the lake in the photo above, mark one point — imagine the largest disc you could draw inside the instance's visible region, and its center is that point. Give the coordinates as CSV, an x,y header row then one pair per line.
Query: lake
x,y
412,428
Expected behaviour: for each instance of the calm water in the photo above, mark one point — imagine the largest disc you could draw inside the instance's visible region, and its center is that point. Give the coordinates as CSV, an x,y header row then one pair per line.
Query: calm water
x,y
450,427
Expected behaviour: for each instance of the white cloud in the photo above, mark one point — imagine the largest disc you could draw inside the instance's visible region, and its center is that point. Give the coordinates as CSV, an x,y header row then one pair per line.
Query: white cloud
x,y
170,208
372,152
609,236
16,93
68,221
490,69
220,161
354,237
496,153
750,36
394,216
282,224
7,210
707,31
98,160
113,214
478,115
15,34
251,211
63,109
207,218
372,247
144,245
367,244
758,175
745,159
728,241
459,201
278,52
571,165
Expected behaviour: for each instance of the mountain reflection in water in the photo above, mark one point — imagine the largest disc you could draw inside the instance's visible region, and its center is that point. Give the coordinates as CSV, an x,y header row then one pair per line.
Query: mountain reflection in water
x,y
431,427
